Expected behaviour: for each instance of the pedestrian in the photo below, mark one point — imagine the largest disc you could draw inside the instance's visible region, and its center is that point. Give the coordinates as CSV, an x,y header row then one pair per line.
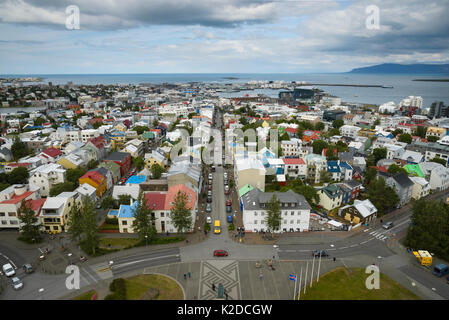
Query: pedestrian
x,y
189,274
334,259
226,295
261,276
185,276
213,286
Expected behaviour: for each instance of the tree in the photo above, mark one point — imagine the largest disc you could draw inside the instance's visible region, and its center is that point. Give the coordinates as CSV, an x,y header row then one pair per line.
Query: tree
x,y
342,147
19,175
379,154
381,196
405,137
439,160
319,126
318,146
75,224
432,139
325,176
97,124
273,218
18,149
370,174
180,214
143,223
124,199
394,168
138,163
334,132
108,203
62,187
92,164
29,228
331,152
396,132
430,227
90,239
156,171
338,123
420,132
73,175
141,129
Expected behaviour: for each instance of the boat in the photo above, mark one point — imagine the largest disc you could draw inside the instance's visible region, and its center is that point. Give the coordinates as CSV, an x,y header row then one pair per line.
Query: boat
x,y
387,87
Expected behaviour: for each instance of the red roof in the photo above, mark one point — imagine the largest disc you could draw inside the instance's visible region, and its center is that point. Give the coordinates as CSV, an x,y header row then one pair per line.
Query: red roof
x,y
173,191
94,176
293,161
16,164
292,130
16,199
98,142
52,152
96,120
407,124
381,168
156,130
156,200
35,205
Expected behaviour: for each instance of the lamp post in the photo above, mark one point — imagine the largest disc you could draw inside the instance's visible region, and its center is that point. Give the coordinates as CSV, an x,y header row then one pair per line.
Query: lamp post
x,y
146,239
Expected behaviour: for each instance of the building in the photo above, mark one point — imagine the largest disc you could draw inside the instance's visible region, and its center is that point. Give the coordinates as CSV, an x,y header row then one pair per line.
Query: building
x,y
421,187
291,148
315,165
331,197
438,110
135,147
249,171
55,211
295,211
435,132
50,155
331,115
401,183
349,131
113,168
96,180
11,200
86,190
436,174
295,168
46,176
123,159
184,172
360,212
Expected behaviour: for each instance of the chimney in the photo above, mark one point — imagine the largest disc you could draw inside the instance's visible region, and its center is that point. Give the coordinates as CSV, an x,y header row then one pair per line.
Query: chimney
x,y
131,201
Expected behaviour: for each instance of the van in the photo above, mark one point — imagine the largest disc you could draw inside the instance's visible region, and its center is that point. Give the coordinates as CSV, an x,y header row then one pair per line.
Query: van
x,y
217,227
440,270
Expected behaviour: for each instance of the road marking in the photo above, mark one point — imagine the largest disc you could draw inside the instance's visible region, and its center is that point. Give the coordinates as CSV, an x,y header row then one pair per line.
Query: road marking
x,y
15,267
366,230
364,242
372,232
331,249
138,261
343,248
354,245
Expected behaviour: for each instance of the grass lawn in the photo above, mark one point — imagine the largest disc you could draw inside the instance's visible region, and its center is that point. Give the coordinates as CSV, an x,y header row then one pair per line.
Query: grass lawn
x,y
109,227
118,242
168,288
86,296
341,285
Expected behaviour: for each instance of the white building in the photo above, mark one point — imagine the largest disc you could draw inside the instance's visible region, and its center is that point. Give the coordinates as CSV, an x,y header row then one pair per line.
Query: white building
x,y
295,211
349,131
46,176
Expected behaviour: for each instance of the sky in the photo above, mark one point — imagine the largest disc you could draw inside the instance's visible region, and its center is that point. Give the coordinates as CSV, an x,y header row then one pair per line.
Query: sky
x,y
219,36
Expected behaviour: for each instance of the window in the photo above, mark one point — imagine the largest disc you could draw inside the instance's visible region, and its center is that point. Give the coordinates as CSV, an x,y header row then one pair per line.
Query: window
x,y
2,214
11,214
292,213
255,213
14,222
255,221
285,222
124,223
298,221
162,214
262,214
4,222
292,221
285,213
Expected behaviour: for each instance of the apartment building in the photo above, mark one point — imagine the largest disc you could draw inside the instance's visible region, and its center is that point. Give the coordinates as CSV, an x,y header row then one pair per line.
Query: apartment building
x,y
55,211
46,176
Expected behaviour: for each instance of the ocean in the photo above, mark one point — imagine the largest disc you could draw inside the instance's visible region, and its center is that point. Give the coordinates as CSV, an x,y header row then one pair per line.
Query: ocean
x,y
402,84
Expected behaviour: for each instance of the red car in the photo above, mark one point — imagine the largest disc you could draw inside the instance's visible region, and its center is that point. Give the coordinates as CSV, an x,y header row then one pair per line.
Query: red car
x,y
209,187
220,253
228,202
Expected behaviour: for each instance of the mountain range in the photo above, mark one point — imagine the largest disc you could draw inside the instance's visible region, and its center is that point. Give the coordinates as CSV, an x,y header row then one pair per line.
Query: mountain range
x,y
405,68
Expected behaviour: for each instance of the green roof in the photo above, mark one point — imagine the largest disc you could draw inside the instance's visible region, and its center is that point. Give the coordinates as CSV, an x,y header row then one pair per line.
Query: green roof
x,y
415,169
244,190
148,135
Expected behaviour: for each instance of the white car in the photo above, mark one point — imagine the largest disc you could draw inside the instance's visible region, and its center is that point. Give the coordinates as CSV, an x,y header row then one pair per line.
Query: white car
x,y
225,175
17,283
209,220
8,270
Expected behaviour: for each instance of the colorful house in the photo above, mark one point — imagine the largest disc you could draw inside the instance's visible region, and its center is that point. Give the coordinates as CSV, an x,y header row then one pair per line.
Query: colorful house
x,y
310,136
123,159
96,180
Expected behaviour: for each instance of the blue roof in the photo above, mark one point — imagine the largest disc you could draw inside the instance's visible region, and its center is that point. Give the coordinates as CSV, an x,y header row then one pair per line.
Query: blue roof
x,y
136,179
344,164
332,166
127,211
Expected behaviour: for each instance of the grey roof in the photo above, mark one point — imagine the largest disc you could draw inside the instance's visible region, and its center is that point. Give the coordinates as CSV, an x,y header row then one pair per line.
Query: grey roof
x,y
253,199
117,156
352,183
345,156
102,170
403,180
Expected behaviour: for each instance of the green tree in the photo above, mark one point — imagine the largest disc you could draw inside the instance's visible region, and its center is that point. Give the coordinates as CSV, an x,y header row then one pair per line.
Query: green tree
x,y
108,203
405,137
90,238
325,176
396,132
92,164
432,139
97,124
18,149
73,175
62,187
319,126
29,228
430,227
318,146
124,199
19,175
420,132
342,147
394,168
138,163
273,218
383,197
370,174
338,123
439,160
180,214
156,171
379,154
331,152
75,224
141,129
334,132
143,223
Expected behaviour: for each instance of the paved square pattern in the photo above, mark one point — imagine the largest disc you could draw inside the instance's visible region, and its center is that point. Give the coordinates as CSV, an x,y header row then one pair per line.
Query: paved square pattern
x,y
215,272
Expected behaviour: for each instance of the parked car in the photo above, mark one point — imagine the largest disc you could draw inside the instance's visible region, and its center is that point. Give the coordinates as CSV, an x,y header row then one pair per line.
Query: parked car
x,y
229,219
210,176
228,209
209,220
208,207
98,205
8,270
220,253
228,202
28,268
440,270
226,189
209,199
16,283
388,225
213,168
225,175
209,187
316,253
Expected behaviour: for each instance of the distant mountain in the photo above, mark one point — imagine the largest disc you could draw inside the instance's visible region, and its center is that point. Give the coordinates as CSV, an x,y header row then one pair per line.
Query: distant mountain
x,y
402,68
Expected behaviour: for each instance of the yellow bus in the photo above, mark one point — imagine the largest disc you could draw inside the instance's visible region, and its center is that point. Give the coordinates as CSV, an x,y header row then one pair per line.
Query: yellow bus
x,y
217,228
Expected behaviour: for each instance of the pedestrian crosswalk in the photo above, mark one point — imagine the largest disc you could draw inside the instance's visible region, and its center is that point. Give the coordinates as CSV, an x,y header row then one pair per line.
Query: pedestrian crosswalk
x,y
379,235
